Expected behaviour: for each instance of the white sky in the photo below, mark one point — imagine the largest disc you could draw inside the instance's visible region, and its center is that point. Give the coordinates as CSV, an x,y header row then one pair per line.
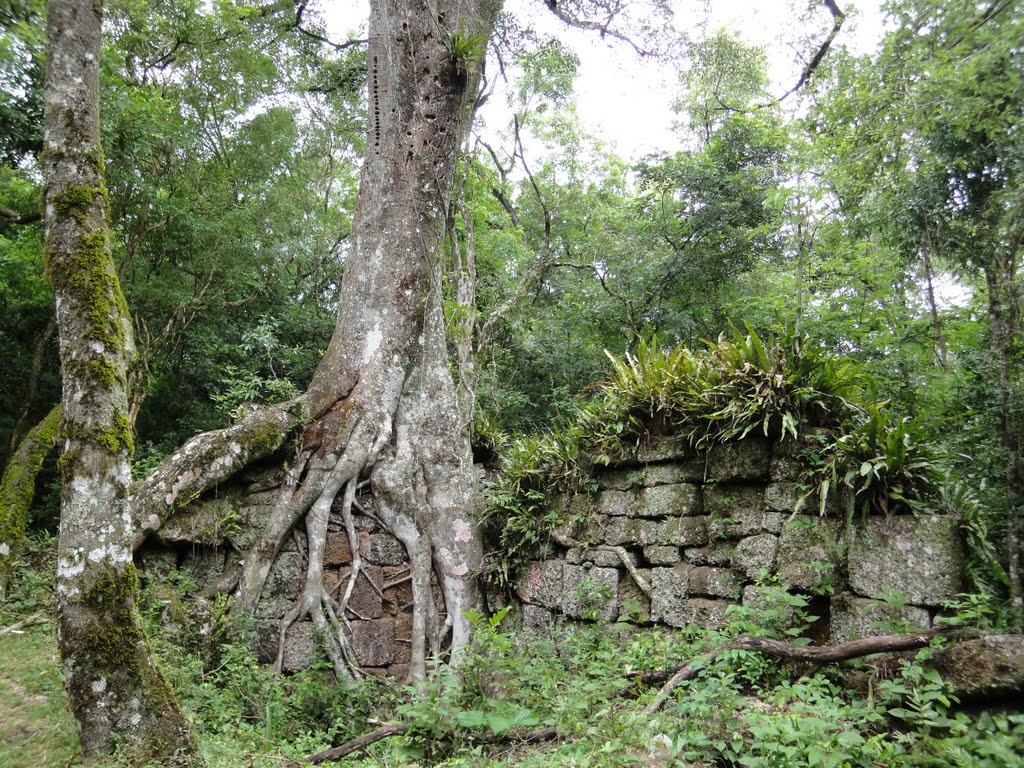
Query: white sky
x,y
626,100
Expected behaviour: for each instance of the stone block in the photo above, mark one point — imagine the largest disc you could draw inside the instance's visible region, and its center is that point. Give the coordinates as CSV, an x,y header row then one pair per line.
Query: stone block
x,y
541,584
919,557
618,480
287,576
614,503
663,449
772,522
706,614
852,617
661,554
607,558
537,621
718,553
755,555
337,551
300,647
678,499
810,553
385,549
744,460
366,601
634,604
613,530
400,593
671,474
782,497
670,589
373,642
590,593
787,462
736,524
714,582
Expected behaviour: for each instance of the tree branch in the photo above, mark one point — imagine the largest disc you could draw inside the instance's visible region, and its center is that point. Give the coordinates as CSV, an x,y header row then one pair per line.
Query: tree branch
x,y
838,17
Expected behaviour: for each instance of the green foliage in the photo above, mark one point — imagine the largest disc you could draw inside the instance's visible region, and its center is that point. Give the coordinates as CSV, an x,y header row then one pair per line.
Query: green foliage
x,y
736,387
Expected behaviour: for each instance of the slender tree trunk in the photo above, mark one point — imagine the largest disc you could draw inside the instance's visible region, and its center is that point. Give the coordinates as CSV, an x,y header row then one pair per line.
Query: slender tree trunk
x,y
112,683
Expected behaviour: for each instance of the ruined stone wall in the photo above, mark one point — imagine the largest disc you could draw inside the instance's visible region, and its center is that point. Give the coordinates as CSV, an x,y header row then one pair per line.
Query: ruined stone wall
x,y
206,542
702,530
699,530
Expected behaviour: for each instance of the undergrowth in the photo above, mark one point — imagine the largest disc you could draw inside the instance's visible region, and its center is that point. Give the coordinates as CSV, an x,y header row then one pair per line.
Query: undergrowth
x,y
742,710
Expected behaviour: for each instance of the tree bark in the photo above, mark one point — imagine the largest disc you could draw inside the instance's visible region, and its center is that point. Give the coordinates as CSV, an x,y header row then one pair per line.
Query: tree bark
x,y
113,685
382,405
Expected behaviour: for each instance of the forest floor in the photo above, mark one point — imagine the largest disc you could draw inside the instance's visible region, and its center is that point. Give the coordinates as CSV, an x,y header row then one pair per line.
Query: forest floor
x,y
742,710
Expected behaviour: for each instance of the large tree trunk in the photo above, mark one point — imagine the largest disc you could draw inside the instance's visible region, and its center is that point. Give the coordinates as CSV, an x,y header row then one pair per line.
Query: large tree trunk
x,y
112,683
382,405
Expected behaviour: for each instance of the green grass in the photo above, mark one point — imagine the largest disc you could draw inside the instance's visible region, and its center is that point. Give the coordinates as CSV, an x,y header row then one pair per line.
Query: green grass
x,y
37,726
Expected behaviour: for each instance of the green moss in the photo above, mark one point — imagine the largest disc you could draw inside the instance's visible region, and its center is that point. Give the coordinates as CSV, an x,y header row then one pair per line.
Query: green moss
x,y
118,437
76,201
265,438
17,489
103,371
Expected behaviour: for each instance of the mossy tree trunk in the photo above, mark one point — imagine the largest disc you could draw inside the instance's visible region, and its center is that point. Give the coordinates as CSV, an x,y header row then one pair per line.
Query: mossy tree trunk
x,y
113,686
17,489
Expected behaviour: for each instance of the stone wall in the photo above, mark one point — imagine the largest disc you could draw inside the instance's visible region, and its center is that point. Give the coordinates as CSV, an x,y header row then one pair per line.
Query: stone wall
x,y
207,540
700,531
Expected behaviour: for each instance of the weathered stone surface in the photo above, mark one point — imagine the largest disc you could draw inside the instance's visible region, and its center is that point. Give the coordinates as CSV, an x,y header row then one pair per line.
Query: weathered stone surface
x,y
786,463
809,553
541,584
661,449
670,474
718,553
607,558
670,588
366,600
735,511
736,524
716,582
590,593
706,614
537,621
668,500
755,555
400,593
385,549
744,460
854,617
338,551
373,642
206,566
614,503
772,522
157,563
634,605
299,647
920,557
985,670
660,554
781,497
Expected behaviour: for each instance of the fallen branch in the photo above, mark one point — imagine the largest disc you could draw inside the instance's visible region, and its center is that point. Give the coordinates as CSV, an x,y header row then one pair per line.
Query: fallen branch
x,y
15,629
828,654
336,753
